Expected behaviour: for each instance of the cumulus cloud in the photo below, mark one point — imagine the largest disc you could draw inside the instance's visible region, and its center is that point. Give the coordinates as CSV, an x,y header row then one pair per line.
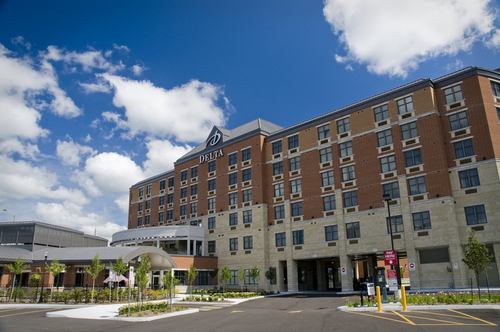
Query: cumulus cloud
x,y
392,37
20,40
25,150
95,87
138,69
162,155
71,153
122,203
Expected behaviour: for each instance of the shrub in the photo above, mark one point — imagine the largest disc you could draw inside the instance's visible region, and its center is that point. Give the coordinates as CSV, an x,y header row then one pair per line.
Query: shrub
x,y
77,295
66,296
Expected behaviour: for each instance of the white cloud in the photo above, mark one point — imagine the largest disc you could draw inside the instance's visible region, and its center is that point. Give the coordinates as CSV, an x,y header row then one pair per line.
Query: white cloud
x,y
87,138
71,153
162,155
95,87
186,113
25,150
392,37
138,69
122,203
121,48
20,40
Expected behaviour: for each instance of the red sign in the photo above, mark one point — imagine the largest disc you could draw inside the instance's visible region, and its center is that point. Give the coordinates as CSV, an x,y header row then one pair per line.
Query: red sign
x,y
412,266
390,257
392,274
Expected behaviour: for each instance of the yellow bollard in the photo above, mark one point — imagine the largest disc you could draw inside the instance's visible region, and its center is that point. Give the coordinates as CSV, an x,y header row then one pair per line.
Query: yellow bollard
x,y
403,297
379,300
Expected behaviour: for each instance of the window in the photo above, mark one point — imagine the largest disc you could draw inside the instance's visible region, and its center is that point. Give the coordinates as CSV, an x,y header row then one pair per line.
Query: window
x,y
170,214
245,155
348,173
323,131
211,166
233,178
327,178
148,189
233,244
277,147
234,278
329,203
184,192
381,113
248,242
247,216
498,113
350,198
331,233
405,105
296,186
170,182
183,210
343,125
409,130
463,149
247,195
248,278
170,198
325,155
247,174
194,172
353,231
148,204
233,198
141,192
495,87
458,121
388,164
396,223
211,247
453,94
475,215
293,142
184,175
384,137
296,209
211,203
233,159
413,158
233,219
279,212
279,189
162,185
211,184
345,149
139,221
421,220
278,168
194,207
147,219
194,189
280,239
429,256
392,189
469,178
140,206
417,186
211,223
294,163
298,237
161,200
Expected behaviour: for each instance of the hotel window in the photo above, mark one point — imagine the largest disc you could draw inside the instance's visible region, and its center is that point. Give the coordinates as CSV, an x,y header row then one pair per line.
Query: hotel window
x,y
279,212
141,191
184,175
294,163
298,237
247,216
247,174
495,87
343,125
331,233
475,215
148,189
277,148
233,244
409,130
296,186
194,189
417,185
161,200
296,209
329,203
381,113
353,231
278,168
325,155
170,198
396,223
183,210
327,178
140,206
392,189
211,184
413,158
293,142
148,219
233,178
211,223
160,216
345,149
194,207
248,242
211,166
148,204
184,192
463,149
170,214
323,132
211,203
247,195
194,172
348,173
469,178
245,155
233,198
162,185
405,105
350,198
384,137
233,159
388,164
233,219
453,94
458,121
211,247
421,220
170,182
498,113
139,221
280,239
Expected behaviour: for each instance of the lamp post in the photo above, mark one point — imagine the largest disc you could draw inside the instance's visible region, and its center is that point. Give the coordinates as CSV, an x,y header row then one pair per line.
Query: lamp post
x,y
43,276
387,199
13,216
139,283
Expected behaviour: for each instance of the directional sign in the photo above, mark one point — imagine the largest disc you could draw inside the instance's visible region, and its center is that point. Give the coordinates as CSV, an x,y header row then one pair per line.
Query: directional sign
x,y
412,266
390,257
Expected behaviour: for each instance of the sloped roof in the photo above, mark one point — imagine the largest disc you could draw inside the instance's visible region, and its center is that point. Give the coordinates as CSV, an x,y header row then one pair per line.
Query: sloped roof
x,y
11,253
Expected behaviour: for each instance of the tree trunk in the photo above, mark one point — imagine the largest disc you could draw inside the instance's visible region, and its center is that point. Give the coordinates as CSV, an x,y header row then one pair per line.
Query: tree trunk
x,y
92,299
478,286
13,284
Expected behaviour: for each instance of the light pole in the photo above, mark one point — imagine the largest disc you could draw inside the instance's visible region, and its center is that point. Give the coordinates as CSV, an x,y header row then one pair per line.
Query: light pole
x,y
43,276
139,283
13,216
387,199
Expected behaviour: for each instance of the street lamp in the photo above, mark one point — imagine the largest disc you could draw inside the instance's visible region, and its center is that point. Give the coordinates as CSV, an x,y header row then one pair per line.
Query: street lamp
x,y
5,210
43,276
387,199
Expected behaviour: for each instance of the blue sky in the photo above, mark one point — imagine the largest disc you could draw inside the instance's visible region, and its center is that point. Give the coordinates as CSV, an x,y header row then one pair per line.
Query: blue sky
x,y
97,95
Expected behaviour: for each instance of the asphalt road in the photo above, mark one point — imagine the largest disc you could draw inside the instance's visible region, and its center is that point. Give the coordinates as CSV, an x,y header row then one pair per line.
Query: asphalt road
x,y
297,312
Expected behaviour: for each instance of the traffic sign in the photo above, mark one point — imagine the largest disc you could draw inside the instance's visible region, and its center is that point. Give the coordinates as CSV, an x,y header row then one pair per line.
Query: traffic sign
x,y
412,266
390,257
392,274
344,271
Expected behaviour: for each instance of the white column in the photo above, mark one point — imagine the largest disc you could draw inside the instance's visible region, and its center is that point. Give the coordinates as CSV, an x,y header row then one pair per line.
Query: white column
x,y
158,243
203,248
188,245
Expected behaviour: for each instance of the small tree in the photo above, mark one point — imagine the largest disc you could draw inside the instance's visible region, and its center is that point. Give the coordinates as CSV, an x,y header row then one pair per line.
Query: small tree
x,y
142,274
476,257
94,271
119,268
35,280
270,275
255,274
225,276
192,274
16,269
56,269
213,274
169,282
241,277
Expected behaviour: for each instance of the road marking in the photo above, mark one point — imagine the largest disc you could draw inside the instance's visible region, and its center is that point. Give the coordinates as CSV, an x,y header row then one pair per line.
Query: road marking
x,y
29,312
294,312
299,296
236,311
406,319
394,320
3,310
475,318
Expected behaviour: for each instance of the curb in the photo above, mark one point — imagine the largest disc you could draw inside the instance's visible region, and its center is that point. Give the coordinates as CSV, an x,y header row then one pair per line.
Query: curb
x,y
399,307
